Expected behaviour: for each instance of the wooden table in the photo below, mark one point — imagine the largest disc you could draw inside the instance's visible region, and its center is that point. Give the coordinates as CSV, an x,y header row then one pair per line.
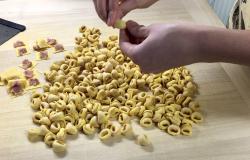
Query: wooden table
x,y
224,89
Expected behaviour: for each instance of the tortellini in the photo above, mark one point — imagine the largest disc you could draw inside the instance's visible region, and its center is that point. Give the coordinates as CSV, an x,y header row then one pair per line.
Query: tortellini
x,y
97,89
105,134
143,140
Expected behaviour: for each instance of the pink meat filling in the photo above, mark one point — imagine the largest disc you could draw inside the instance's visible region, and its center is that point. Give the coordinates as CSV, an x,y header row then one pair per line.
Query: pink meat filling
x,y
26,64
22,51
44,55
16,88
18,44
34,82
28,74
59,47
51,41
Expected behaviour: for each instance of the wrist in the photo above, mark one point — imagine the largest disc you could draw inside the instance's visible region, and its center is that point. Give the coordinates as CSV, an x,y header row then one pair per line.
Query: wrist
x,y
204,52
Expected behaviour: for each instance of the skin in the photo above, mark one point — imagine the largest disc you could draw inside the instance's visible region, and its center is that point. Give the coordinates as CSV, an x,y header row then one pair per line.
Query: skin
x,y
110,10
159,47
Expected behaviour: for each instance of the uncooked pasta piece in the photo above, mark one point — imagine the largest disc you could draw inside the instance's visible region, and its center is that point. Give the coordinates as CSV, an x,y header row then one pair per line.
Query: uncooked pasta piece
x,y
143,140
120,24
42,55
21,51
58,48
18,44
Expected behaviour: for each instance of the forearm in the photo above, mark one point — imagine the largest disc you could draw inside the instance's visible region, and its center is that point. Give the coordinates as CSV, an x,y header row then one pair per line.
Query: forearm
x,y
221,45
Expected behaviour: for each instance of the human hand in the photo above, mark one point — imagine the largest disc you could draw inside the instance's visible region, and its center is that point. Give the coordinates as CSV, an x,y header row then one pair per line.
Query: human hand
x,y
112,10
159,47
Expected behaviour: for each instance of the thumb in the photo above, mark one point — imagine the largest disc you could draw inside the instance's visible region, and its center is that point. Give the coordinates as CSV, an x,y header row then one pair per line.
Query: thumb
x,y
136,30
126,47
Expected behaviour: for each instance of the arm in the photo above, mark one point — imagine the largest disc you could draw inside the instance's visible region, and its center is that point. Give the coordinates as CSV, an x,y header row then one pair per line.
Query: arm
x,y
163,46
221,45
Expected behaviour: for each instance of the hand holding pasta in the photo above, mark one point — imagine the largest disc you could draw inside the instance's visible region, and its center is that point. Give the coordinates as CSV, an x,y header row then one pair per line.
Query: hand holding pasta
x,y
112,10
96,85
139,42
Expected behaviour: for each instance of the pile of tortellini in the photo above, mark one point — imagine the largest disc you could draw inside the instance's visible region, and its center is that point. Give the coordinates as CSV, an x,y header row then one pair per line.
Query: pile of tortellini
x,y
97,89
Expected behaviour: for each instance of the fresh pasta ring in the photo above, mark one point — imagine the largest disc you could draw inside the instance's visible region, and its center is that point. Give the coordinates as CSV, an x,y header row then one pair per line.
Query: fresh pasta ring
x,y
105,134
52,98
187,121
113,112
113,38
146,122
157,117
194,106
82,29
142,109
197,117
102,117
115,130
53,90
34,134
71,129
93,38
170,109
175,120
45,121
36,95
94,122
55,127
120,58
163,125
130,103
69,119
37,117
88,129
127,129
176,106
180,98
67,90
186,112
142,96
173,130
49,138
159,99
161,110
61,135
134,111
124,109
123,118
148,114
58,146
35,103
186,130
187,101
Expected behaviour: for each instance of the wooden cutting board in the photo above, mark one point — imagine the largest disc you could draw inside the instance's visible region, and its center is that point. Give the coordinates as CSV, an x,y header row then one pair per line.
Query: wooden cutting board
x,y
224,90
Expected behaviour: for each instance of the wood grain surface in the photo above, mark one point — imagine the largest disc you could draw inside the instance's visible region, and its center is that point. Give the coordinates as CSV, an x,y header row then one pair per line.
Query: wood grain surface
x,y
224,89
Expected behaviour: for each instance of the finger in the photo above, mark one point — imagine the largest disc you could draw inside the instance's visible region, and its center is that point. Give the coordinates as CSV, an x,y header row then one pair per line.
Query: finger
x,y
127,6
102,9
113,12
126,47
136,30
